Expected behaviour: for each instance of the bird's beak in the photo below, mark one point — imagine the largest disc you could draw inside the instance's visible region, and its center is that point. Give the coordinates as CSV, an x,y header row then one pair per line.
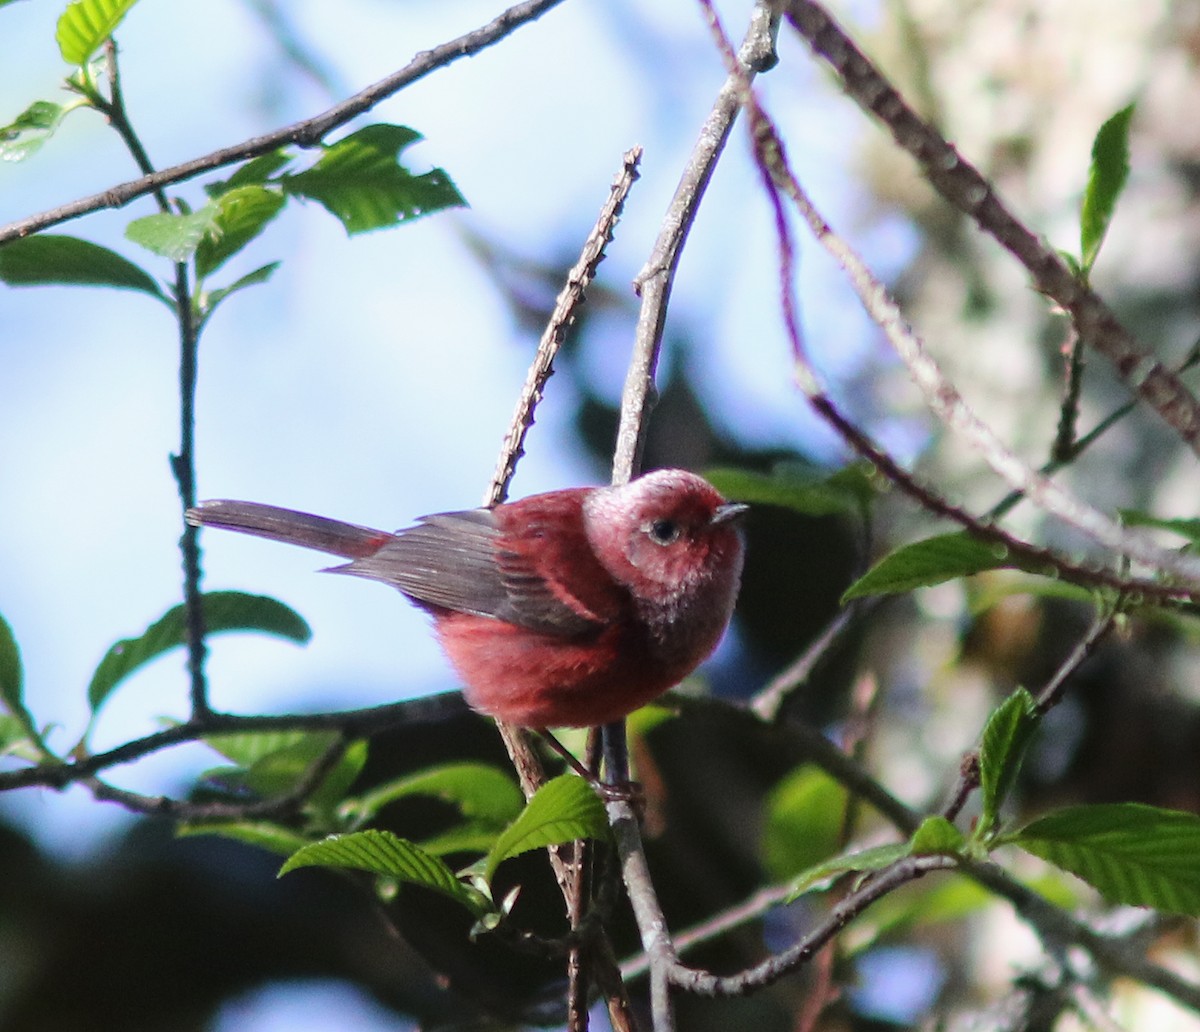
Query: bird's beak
x,y
729,513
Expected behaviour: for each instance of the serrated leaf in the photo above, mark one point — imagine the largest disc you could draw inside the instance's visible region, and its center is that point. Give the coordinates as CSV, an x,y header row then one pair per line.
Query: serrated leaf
x,y
936,836
388,855
26,133
1132,853
804,821
49,259
274,838
801,489
479,791
175,237
86,24
1106,179
1002,748
861,861
361,181
562,810
223,611
240,215
928,562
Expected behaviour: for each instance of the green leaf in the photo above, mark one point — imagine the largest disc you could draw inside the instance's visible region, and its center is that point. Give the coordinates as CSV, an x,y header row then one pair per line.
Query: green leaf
x,y
171,236
864,860
479,790
54,259
1134,854
12,675
239,216
274,838
1002,748
562,810
804,821
86,24
467,837
246,748
385,854
800,488
26,133
223,611
361,181
924,563
256,172
1106,179
936,836
15,739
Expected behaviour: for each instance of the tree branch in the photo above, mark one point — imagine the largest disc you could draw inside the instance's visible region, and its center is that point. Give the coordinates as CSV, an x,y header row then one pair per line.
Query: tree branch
x,y
307,133
963,186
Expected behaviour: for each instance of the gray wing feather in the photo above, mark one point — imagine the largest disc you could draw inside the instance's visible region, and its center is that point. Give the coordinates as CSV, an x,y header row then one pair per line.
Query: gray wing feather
x,y
455,560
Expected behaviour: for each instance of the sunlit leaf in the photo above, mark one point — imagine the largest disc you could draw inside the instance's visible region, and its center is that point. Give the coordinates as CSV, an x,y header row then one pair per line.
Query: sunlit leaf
x,y
361,180
936,836
223,611
48,259
1134,854
387,855
1106,179
562,810
171,236
256,172
860,861
928,562
86,24
240,215
26,133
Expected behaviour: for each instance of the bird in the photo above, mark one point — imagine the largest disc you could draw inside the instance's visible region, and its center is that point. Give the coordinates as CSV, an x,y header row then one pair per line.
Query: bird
x,y
570,608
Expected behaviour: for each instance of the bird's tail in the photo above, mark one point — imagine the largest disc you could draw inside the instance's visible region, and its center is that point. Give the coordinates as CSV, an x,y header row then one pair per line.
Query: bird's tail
x,y
295,528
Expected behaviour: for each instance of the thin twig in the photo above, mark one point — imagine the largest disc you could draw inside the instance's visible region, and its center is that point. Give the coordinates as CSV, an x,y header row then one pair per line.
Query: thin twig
x,y
767,702
276,808
962,185
183,464
567,861
941,395
307,133
351,723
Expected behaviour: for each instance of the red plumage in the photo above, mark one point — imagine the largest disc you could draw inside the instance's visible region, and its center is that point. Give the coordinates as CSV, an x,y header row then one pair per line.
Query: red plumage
x,y
570,608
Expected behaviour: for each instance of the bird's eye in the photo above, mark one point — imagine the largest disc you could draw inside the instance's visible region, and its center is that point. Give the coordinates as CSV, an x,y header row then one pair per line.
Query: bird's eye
x,y
664,532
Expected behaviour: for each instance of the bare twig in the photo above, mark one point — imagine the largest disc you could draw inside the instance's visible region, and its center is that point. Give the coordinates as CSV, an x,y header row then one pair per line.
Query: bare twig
x,y
962,185
767,702
307,133
183,464
941,395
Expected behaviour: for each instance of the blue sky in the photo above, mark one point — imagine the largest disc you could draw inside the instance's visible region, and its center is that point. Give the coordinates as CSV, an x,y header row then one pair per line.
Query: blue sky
x,y
371,379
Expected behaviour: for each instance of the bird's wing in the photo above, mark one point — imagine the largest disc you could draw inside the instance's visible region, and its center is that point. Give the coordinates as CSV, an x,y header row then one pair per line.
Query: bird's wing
x,y
459,561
